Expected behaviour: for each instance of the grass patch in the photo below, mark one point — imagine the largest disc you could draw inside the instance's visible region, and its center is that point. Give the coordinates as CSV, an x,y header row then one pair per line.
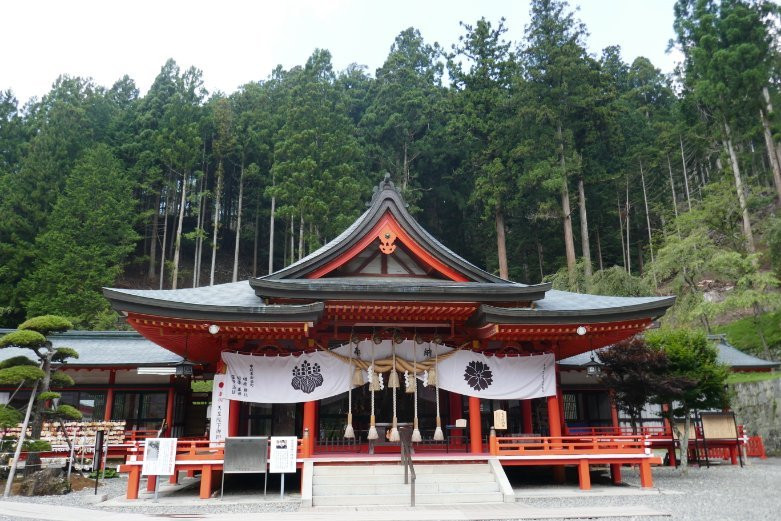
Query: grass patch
x,y
740,378
201,386
743,334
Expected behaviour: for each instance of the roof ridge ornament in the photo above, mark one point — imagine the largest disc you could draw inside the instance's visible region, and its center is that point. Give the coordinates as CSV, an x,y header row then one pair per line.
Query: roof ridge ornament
x,y
386,184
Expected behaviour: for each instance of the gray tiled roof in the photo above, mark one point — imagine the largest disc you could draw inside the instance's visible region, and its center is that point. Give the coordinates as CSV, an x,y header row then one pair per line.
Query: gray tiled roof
x,y
99,348
728,355
232,294
556,300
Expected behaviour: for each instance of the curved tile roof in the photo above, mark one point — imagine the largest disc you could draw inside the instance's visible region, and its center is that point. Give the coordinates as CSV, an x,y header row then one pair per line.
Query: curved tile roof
x,y
104,348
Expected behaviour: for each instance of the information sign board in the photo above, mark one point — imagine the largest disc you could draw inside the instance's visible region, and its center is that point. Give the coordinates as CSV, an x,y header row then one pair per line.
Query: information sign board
x,y
284,450
159,457
500,419
245,455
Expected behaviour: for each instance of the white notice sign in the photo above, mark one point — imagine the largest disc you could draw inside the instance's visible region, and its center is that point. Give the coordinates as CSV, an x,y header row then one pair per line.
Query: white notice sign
x,y
284,450
159,457
220,409
500,419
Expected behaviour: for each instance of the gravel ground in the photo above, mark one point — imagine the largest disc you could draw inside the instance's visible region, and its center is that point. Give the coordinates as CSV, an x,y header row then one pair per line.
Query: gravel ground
x,y
720,493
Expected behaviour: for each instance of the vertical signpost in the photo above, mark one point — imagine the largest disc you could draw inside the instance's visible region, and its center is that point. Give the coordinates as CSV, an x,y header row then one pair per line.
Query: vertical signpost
x,y
219,410
159,459
284,451
97,457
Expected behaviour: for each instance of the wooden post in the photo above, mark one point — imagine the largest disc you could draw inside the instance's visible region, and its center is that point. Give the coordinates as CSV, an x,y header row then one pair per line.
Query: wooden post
x,y
526,409
615,473
646,481
234,408
668,430
554,418
583,475
169,410
614,416
475,427
112,376
309,423
554,431
206,481
133,480
151,482
493,444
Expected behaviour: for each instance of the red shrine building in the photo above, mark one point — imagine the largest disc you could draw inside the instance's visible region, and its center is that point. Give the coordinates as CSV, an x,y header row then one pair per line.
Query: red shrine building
x,y
386,281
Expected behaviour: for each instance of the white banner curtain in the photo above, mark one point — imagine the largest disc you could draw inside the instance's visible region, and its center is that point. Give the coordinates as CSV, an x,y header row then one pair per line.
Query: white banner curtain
x,y
498,378
285,379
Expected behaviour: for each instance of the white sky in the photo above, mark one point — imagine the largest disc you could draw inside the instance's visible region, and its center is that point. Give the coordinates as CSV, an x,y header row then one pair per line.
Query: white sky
x,y
234,42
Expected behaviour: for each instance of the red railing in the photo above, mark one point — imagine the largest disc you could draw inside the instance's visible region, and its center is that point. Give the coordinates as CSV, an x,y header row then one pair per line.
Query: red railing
x,y
567,445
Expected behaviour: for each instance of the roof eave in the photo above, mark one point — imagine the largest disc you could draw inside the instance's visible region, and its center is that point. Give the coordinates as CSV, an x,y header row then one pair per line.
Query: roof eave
x,y
125,302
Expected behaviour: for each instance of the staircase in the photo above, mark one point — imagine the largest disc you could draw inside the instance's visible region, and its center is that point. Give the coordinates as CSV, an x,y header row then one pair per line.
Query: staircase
x,y
349,485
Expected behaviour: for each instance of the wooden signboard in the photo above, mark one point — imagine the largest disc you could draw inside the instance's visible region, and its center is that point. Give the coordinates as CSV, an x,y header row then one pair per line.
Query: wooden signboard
x,y
500,419
718,426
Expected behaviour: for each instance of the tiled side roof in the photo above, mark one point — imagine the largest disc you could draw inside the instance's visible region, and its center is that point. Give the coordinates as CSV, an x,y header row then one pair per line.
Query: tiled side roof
x,y
556,300
103,348
232,294
728,355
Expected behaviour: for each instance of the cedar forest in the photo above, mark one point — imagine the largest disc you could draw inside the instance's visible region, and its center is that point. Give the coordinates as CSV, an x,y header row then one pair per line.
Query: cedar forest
x,y
518,149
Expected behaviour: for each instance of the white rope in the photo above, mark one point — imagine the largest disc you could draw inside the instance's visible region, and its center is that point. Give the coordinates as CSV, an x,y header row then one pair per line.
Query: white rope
x,y
438,434
416,437
349,432
394,434
372,428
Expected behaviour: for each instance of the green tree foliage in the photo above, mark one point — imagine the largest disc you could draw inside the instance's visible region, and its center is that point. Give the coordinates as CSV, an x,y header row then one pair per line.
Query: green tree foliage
x,y
695,380
21,370
529,156
90,235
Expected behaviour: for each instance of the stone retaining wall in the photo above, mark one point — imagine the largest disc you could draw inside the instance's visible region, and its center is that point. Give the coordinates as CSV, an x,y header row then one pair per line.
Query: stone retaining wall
x,y
757,405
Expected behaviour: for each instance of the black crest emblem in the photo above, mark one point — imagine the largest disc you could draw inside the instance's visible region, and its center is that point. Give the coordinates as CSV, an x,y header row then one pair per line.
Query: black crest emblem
x,y
478,375
306,377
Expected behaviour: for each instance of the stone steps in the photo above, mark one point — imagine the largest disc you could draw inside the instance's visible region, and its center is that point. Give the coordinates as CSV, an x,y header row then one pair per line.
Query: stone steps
x,y
353,485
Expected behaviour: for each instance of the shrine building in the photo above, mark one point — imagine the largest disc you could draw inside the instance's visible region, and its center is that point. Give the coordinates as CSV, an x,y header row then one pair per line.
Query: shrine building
x,y
383,328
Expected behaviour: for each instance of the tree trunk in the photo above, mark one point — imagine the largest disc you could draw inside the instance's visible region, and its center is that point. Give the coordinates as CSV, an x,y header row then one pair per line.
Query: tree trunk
x,y
153,242
292,240
599,250
684,439
648,222
621,227
685,175
216,225
165,238
179,233
271,235
771,153
301,238
749,235
501,245
238,227
672,186
584,226
540,258
46,366
628,251
569,239
256,229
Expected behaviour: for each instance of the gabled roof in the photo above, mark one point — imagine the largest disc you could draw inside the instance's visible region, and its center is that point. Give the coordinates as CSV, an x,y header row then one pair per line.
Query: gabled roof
x,y
388,213
104,348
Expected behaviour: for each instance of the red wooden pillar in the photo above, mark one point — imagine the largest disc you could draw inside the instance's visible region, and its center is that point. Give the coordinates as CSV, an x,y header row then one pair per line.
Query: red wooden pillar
x,y
169,409
560,398
309,424
526,410
554,418
112,377
234,413
475,427
554,428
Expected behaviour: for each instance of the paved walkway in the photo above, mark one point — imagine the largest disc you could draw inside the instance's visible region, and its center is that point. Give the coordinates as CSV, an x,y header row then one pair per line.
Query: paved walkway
x,y
422,513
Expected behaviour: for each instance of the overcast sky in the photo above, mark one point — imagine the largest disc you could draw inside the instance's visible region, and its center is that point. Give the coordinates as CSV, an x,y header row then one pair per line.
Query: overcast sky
x,y
235,42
